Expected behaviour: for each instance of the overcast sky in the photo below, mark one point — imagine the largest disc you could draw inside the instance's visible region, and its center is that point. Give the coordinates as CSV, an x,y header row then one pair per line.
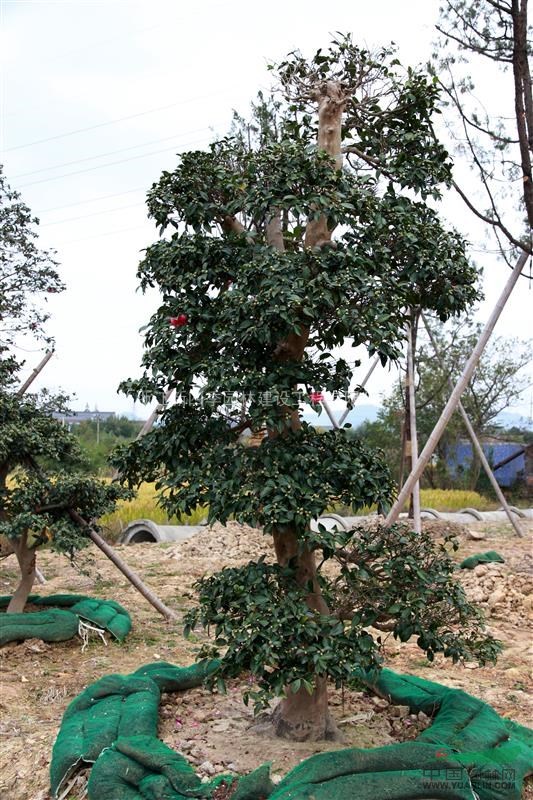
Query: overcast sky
x,y
97,98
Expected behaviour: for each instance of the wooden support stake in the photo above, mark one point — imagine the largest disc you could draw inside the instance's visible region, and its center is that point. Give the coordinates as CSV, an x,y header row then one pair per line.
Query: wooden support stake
x,y
28,382
329,412
417,523
123,567
460,386
475,441
362,385
149,424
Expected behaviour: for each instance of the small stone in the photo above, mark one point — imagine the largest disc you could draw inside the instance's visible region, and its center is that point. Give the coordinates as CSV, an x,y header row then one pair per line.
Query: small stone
x,y
400,711
207,767
475,535
423,718
380,703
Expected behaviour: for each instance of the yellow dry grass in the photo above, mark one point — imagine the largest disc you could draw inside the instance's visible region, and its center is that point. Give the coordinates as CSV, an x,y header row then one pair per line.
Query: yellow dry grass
x,y
145,506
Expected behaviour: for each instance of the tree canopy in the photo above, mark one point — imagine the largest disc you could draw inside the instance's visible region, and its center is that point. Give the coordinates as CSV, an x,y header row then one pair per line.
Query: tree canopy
x,y
275,253
41,464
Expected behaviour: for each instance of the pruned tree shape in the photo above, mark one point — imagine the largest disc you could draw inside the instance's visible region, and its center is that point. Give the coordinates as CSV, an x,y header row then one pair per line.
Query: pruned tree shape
x,y
279,255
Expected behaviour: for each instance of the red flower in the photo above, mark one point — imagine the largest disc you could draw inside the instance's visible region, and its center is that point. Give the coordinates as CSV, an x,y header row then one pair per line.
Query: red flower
x,y
316,397
179,321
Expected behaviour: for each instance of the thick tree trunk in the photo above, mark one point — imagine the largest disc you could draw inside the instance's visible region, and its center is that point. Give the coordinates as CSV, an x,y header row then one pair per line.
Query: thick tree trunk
x,y
301,716
26,557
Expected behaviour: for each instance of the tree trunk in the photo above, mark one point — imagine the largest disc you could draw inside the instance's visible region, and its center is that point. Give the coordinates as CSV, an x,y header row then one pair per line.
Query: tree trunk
x,y
301,716
26,557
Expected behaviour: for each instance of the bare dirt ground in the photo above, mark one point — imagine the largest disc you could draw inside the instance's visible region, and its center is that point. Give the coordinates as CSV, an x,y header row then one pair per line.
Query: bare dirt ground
x,y
39,680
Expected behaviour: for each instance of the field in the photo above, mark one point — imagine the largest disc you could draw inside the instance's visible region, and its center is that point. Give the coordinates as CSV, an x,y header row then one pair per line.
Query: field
x,y
145,506
40,680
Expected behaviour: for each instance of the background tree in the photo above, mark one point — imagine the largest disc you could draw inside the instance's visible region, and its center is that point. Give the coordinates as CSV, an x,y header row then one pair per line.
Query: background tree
x,y
41,465
97,440
498,382
497,144
257,292
27,273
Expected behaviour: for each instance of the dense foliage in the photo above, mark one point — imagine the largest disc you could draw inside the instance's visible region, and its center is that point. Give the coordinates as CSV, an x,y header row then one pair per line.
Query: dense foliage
x,y
98,439
27,273
42,480
279,256
392,579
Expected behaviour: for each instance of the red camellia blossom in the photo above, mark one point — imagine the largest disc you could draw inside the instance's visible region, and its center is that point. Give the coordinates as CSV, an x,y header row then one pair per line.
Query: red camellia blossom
x,y
316,397
179,321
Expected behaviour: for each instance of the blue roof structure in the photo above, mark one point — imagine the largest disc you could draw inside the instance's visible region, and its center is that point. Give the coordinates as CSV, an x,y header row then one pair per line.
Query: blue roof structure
x,y
460,458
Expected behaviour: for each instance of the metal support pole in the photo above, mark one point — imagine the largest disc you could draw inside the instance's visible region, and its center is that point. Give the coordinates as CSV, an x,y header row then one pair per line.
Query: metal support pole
x,y
460,386
475,441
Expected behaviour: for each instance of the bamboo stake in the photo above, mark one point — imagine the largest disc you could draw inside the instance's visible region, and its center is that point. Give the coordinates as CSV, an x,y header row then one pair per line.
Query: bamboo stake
x,y
123,567
362,385
460,386
475,441
148,425
329,412
417,523
28,382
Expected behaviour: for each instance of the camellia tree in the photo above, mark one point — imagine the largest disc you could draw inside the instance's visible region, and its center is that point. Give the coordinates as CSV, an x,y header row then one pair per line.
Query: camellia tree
x,y
281,253
42,485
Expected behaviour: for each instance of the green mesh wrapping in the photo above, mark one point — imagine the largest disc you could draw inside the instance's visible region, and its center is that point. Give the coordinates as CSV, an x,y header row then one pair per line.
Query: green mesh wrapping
x,y
468,753
489,557
51,626
170,678
397,772
497,752
143,767
407,690
114,706
107,614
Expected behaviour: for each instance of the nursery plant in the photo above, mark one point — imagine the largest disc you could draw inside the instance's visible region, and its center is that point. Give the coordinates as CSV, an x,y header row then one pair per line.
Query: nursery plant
x,y
310,229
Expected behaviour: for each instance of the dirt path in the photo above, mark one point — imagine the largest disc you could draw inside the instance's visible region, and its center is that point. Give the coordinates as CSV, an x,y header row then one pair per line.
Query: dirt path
x,y
38,680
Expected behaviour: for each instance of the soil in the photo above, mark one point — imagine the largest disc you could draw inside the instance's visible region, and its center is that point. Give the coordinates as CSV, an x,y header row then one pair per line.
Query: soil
x,y
39,680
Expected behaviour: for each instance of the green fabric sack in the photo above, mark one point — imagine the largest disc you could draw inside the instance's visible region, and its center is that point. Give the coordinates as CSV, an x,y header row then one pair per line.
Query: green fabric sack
x,y
408,690
404,771
106,614
114,706
491,556
55,625
176,679
144,768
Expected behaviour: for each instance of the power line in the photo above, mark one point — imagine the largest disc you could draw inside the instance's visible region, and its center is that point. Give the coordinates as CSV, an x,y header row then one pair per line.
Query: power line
x,y
100,166
109,153
112,121
91,200
99,235
93,214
